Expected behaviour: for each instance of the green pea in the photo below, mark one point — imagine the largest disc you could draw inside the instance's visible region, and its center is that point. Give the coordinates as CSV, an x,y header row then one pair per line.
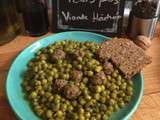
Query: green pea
x,y
59,114
105,81
48,94
109,113
112,87
93,118
75,116
82,86
88,97
85,68
119,77
37,82
90,64
69,66
130,89
118,82
50,78
98,68
40,112
37,107
51,50
105,117
102,87
49,114
79,66
45,66
116,71
97,62
65,76
87,115
35,103
109,77
70,108
127,98
112,102
98,117
98,89
57,101
79,59
113,80
50,98
56,75
42,92
55,107
85,80
121,104
44,81
90,73
113,95
54,70
89,55
82,101
81,110
130,82
35,69
110,108
33,95
103,107
81,117
116,107
97,96
39,87
74,103
59,62
123,86
103,99
67,102
104,93
121,93
64,107
88,109
130,93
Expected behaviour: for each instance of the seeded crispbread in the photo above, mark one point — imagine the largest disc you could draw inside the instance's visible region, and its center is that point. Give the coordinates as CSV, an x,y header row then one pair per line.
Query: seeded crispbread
x,y
125,55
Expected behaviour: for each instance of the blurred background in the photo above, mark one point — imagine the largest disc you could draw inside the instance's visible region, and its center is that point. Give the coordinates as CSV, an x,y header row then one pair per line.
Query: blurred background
x,y
33,18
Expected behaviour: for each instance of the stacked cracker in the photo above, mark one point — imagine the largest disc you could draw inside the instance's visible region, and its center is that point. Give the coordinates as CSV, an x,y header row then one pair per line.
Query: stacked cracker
x,y
125,55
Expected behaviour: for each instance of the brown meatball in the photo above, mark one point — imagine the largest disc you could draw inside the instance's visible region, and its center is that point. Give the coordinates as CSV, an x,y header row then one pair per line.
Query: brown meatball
x,y
77,55
108,67
98,78
59,84
77,75
71,91
58,54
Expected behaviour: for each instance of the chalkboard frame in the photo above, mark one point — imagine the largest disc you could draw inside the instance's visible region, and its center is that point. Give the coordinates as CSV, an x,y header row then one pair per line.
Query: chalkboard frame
x,y
55,21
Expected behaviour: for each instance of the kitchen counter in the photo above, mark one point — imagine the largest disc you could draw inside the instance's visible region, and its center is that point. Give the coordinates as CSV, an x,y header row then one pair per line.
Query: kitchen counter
x,y
149,108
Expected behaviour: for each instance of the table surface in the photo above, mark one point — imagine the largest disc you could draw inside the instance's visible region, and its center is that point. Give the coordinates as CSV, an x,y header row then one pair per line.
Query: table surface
x,y
149,108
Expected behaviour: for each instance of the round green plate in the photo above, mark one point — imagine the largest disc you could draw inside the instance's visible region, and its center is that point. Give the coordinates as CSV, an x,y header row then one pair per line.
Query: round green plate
x,y
13,85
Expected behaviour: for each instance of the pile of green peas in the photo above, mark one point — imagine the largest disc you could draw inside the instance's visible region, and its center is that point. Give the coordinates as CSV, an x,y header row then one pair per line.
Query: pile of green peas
x,y
96,102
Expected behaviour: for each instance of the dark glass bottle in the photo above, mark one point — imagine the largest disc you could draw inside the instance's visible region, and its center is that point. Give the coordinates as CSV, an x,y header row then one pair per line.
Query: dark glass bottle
x,y
9,23
35,17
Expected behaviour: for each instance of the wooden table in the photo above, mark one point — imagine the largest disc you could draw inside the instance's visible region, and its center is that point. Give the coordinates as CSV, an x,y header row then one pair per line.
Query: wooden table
x,y
149,108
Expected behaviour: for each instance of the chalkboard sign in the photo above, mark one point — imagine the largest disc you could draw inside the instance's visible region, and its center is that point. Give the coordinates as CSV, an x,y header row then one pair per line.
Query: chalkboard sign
x,y
101,16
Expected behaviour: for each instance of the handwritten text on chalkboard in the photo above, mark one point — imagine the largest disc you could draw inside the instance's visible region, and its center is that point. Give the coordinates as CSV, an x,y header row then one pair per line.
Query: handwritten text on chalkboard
x,y
100,2
92,15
